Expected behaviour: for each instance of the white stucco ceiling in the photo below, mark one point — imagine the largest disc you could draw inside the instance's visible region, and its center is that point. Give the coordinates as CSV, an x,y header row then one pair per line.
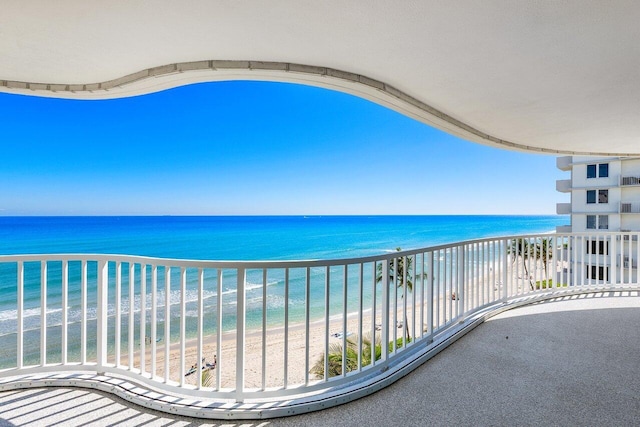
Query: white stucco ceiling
x,y
553,76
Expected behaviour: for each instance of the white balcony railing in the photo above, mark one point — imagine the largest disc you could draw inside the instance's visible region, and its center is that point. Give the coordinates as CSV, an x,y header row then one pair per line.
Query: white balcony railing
x,y
630,207
629,180
259,331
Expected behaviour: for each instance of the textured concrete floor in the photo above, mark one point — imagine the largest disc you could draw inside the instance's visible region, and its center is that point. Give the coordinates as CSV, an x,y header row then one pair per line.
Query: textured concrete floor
x,y
569,362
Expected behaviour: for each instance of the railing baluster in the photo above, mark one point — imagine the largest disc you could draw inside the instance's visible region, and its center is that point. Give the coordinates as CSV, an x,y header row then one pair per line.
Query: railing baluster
x,y
360,312
583,249
327,300
422,277
118,320
286,328
405,297
344,319
610,256
395,303
65,311
436,289
374,309
131,335
264,329
167,321
143,317
442,293
430,285
83,311
385,310
200,330
102,315
307,323
450,284
460,295
413,296
154,318
240,330
220,362
43,313
183,322
20,315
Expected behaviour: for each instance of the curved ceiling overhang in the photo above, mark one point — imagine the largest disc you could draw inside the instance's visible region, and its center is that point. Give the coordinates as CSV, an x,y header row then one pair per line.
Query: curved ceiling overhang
x,y
174,75
544,76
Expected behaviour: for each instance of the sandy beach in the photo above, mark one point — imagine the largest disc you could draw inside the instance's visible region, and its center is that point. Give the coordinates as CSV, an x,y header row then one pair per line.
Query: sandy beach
x,y
296,366
300,360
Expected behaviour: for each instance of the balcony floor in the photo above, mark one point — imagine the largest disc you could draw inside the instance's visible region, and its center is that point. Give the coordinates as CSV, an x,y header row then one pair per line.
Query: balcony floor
x,y
566,362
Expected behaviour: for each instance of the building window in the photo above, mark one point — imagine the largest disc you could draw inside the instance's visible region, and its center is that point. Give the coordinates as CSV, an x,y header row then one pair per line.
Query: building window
x,y
599,273
603,170
597,247
603,222
598,170
600,222
603,196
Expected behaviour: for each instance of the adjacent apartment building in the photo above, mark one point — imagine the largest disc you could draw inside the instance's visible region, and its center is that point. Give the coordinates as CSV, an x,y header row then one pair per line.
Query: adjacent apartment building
x,y
605,196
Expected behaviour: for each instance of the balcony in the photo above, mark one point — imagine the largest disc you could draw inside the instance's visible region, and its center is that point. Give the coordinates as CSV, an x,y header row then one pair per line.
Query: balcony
x,y
629,180
563,208
564,163
630,208
462,374
563,229
563,185
198,338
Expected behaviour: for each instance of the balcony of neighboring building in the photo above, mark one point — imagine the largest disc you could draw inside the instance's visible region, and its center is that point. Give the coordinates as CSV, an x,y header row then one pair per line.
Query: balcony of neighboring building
x,y
564,163
627,180
563,185
561,229
630,208
563,208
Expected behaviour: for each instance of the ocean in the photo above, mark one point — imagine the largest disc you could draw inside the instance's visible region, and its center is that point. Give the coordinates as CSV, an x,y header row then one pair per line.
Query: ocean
x,y
219,238
254,237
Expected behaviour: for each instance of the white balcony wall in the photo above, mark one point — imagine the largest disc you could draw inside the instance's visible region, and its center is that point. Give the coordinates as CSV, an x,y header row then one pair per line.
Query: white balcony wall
x,y
563,185
563,208
564,163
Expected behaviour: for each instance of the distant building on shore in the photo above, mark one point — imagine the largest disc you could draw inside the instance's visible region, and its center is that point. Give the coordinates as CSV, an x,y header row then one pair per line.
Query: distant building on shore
x,y
605,196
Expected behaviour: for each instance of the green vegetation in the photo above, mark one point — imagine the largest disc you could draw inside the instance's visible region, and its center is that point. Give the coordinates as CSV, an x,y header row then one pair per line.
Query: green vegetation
x,y
539,251
335,355
548,284
398,278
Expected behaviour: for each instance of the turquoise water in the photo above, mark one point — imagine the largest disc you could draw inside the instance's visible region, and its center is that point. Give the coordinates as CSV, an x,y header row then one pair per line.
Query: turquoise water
x,y
254,238
221,238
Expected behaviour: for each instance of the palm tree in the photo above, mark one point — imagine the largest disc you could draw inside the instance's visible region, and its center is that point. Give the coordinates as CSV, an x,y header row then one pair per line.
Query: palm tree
x,y
369,354
521,248
544,253
398,277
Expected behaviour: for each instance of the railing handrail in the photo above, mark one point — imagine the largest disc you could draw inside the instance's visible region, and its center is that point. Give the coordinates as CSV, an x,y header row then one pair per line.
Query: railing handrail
x,y
276,263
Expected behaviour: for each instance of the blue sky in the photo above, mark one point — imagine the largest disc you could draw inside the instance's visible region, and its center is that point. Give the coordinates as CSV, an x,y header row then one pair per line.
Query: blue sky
x,y
252,148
